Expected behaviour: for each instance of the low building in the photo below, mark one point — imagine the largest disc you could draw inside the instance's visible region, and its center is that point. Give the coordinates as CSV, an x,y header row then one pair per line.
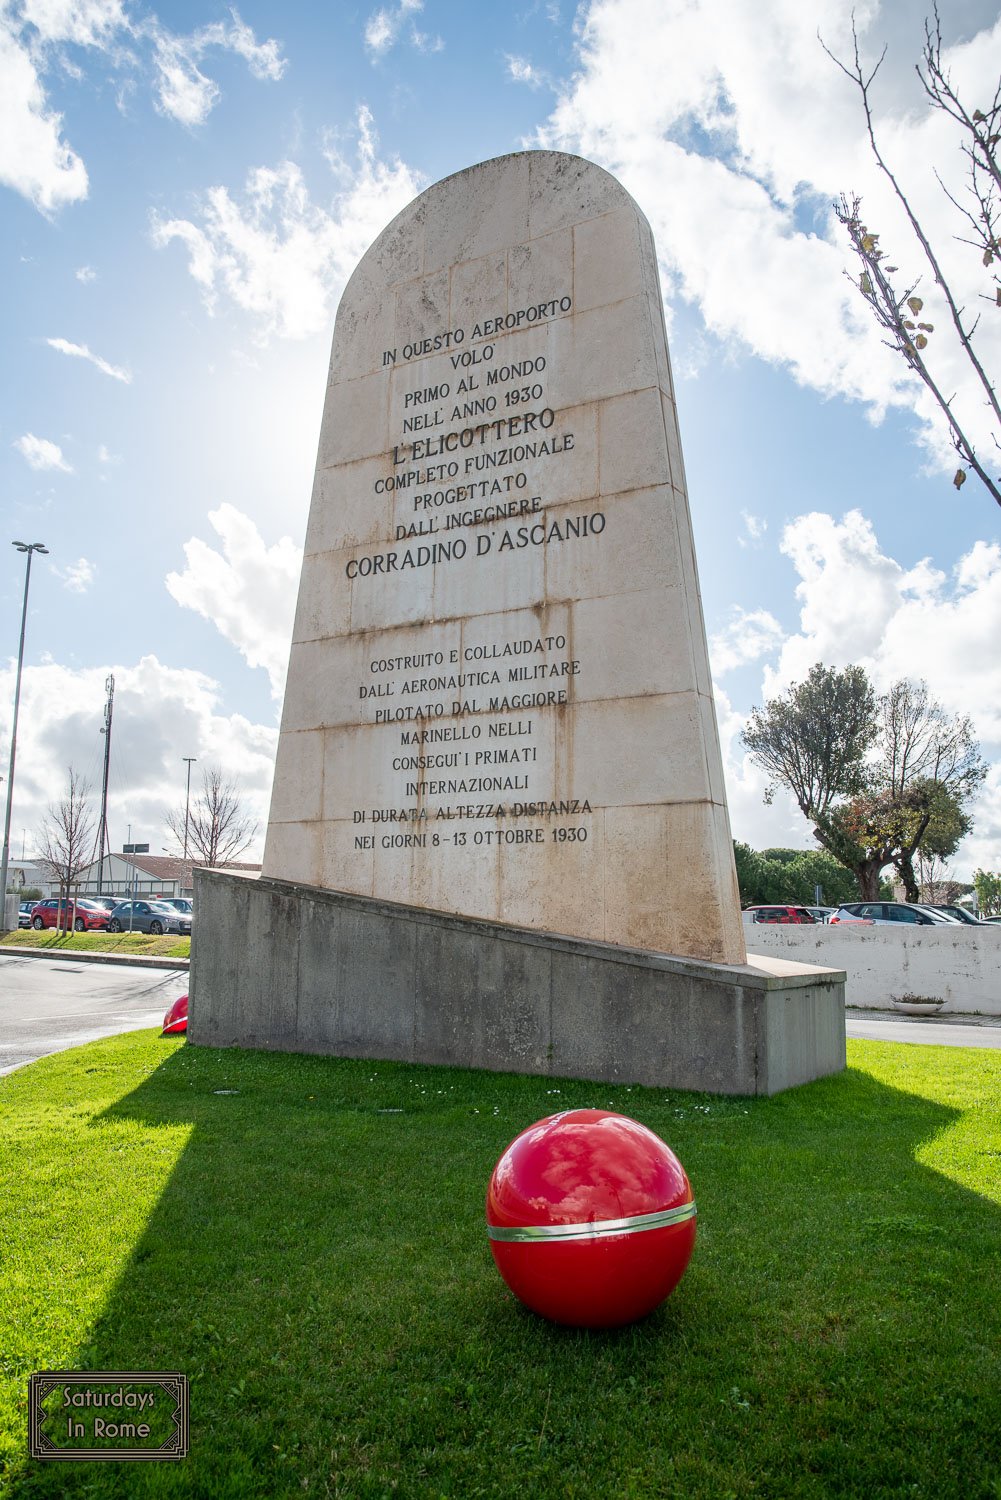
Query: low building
x,y
137,875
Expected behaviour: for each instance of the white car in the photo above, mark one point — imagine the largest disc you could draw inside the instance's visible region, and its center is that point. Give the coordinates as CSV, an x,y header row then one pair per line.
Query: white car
x,y
893,913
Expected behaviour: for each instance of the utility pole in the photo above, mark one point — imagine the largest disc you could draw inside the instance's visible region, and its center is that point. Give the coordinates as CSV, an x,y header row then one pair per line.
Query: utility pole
x,y
190,760
28,548
102,837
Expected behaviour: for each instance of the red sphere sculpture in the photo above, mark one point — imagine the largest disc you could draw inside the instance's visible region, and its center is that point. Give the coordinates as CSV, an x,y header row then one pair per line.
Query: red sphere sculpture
x,y
591,1218
176,1020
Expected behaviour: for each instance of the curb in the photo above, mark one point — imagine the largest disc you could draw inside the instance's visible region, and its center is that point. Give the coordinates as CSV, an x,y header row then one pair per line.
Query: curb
x,y
142,960
943,1018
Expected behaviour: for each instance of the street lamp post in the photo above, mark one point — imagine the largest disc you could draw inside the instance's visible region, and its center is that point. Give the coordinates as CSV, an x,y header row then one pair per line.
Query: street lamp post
x,y
190,760
28,548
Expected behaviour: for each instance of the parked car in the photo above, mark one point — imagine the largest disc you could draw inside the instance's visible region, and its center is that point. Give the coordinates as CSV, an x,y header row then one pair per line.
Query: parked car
x,y
821,913
960,913
149,916
785,914
84,915
179,903
108,902
24,913
884,913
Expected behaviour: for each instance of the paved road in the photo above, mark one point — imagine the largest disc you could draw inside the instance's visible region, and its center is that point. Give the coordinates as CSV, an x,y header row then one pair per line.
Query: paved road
x,y
49,1004
939,1033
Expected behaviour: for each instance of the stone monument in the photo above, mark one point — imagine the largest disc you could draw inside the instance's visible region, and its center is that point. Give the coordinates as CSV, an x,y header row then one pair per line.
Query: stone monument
x,y
498,733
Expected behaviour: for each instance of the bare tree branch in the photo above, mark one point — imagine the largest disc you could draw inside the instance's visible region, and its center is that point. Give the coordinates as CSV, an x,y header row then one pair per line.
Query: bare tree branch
x,y
65,840
898,312
218,828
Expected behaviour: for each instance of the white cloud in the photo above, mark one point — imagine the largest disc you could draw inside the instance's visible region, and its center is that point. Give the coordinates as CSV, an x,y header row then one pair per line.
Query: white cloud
x,y
278,255
105,456
86,274
87,23
264,59
385,26
755,527
750,635
40,453
859,605
80,351
248,590
34,159
77,577
161,714
183,91
736,142
522,71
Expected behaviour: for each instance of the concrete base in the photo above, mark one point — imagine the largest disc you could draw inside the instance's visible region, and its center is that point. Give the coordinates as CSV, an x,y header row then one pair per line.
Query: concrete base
x,y
299,969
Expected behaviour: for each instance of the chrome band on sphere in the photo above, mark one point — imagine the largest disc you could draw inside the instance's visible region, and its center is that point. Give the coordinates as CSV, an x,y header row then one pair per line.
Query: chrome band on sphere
x,y
597,1229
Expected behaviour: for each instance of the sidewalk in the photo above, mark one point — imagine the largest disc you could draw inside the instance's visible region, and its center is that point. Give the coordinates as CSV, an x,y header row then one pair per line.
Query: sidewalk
x,y
74,955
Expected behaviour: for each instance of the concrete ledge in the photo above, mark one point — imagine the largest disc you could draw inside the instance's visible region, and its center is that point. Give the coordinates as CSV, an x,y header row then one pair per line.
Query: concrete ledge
x,y
297,968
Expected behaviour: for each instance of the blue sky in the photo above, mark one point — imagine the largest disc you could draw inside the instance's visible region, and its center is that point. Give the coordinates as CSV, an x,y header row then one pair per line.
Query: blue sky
x,y
183,193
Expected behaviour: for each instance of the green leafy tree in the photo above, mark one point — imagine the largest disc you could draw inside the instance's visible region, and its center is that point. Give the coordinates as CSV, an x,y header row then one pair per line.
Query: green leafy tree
x,y
749,876
791,876
867,832
988,889
814,739
944,831
874,776
908,320
812,867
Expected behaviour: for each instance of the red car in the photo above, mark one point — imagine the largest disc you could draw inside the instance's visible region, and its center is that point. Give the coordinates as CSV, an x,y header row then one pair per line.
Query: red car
x,y
82,916
777,914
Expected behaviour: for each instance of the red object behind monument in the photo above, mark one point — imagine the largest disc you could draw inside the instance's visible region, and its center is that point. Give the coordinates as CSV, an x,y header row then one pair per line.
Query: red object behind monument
x,y
176,1019
591,1218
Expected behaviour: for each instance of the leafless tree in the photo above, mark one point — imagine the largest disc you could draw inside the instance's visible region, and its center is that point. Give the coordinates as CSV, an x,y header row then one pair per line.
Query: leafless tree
x,y
66,839
899,311
921,740
924,744
936,881
218,827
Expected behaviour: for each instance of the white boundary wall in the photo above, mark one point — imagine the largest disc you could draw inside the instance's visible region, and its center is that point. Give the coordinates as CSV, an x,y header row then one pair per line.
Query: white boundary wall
x,y
960,965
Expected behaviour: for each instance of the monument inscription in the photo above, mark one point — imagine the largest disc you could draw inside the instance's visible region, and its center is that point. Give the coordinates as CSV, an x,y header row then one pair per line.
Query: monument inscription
x,y
498,699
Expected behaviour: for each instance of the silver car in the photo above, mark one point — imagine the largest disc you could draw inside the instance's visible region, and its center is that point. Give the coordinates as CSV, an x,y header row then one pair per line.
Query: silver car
x,y
149,916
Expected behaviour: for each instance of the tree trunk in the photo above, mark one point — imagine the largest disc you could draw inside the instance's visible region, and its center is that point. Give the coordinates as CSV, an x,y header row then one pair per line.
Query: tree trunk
x,y
905,869
867,874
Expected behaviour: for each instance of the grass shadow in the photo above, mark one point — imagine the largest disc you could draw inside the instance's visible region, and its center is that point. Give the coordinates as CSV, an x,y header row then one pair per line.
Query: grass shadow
x,y
316,1264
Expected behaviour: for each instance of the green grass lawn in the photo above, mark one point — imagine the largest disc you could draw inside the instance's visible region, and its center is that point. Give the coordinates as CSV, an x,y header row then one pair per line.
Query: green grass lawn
x,y
310,1251
170,945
